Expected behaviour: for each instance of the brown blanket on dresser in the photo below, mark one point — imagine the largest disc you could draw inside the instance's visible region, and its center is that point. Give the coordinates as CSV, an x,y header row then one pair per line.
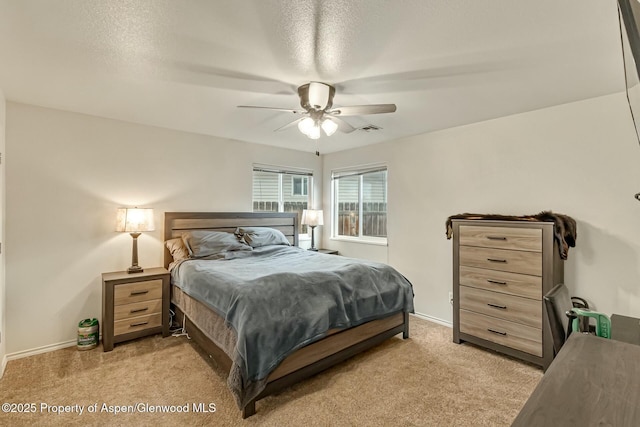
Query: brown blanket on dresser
x,y
564,231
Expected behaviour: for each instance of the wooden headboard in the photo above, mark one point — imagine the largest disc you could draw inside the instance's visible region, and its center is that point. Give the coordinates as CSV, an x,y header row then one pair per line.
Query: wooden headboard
x,y
176,223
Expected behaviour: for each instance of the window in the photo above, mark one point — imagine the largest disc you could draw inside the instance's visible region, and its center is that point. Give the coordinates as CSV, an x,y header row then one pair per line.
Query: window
x,y
360,204
299,185
277,190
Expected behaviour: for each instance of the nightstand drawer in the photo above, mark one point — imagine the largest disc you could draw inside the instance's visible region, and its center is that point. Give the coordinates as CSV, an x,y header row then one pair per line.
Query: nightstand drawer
x,y
503,332
522,285
137,291
136,324
126,311
502,260
521,239
515,309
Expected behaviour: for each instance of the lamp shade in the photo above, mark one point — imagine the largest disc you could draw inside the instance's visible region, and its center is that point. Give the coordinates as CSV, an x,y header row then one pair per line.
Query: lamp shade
x,y
312,217
314,132
306,124
329,126
134,220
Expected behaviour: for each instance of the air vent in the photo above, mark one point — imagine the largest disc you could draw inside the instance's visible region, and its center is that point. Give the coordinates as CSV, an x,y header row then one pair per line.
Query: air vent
x,y
370,128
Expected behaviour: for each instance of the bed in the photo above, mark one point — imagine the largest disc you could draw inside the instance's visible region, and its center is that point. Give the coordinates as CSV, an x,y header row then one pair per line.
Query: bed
x,y
221,301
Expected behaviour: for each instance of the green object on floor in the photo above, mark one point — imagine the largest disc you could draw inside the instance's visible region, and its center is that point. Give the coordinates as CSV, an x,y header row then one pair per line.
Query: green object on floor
x,y
88,334
603,323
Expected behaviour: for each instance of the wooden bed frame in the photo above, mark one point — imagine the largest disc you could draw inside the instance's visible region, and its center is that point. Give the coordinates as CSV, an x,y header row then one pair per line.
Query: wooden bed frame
x,y
338,346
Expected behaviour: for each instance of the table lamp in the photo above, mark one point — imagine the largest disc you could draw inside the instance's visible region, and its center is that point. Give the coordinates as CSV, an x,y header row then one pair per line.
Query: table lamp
x,y
134,221
312,218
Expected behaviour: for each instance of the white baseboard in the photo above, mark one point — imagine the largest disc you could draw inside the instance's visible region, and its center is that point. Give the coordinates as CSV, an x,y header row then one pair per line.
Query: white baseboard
x,y
434,320
4,365
40,350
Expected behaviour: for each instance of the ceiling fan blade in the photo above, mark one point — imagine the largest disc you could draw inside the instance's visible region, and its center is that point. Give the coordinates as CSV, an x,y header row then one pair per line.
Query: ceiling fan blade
x,y
289,125
229,79
361,110
286,110
342,125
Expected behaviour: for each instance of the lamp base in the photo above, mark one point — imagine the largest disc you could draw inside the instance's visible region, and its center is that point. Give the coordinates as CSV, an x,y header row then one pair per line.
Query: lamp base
x,y
134,269
313,245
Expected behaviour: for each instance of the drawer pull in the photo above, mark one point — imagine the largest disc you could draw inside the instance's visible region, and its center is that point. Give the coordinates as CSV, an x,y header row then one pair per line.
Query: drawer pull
x,y
139,310
496,238
134,293
496,282
138,324
496,260
497,332
501,307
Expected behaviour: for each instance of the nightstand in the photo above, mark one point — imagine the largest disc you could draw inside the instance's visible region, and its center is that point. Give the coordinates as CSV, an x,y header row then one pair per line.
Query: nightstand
x,y
327,251
134,305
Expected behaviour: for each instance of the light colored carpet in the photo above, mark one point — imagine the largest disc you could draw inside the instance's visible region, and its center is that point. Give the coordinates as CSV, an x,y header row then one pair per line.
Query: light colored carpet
x,y
426,380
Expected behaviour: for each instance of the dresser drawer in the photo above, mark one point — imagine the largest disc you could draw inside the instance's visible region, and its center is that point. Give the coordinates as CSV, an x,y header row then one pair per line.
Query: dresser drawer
x,y
508,307
522,285
502,260
137,291
126,311
136,324
503,332
521,239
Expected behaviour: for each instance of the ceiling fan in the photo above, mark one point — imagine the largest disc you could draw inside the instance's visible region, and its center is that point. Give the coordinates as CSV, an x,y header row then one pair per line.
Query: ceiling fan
x,y
318,114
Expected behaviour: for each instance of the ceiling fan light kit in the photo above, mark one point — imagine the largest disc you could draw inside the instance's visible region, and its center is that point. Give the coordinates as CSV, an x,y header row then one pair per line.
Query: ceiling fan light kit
x,y
311,127
316,99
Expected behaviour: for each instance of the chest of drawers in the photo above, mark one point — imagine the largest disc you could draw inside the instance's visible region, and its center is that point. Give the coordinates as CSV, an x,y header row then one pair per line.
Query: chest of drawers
x,y
134,305
501,271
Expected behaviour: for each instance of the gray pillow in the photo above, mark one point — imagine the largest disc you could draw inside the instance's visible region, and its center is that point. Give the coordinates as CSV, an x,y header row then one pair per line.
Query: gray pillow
x,y
261,236
203,243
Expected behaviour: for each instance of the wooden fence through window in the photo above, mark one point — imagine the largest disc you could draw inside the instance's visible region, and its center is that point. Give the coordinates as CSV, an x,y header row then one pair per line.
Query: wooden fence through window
x,y
288,207
374,219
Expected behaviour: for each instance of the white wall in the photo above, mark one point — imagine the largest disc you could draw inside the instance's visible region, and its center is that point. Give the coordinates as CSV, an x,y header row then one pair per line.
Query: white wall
x,y
3,345
580,159
67,175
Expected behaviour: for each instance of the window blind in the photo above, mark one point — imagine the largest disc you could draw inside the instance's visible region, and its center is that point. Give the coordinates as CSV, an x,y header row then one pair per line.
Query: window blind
x,y
357,172
282,171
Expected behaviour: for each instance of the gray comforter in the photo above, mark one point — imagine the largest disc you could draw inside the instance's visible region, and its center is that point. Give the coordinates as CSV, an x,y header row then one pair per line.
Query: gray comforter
x,y
280,298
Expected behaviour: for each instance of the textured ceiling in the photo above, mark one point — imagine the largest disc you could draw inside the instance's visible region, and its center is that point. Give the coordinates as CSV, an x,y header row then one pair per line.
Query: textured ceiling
x,y
186,65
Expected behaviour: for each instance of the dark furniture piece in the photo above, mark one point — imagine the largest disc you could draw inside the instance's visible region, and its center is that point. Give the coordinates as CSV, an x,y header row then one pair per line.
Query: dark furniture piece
x,y
134,305
557,302
625,329
559,305
339,345
328,251
592,381
501,270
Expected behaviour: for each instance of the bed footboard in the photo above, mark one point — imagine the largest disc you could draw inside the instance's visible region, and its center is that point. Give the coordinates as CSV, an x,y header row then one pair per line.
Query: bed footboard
x,y
315,357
